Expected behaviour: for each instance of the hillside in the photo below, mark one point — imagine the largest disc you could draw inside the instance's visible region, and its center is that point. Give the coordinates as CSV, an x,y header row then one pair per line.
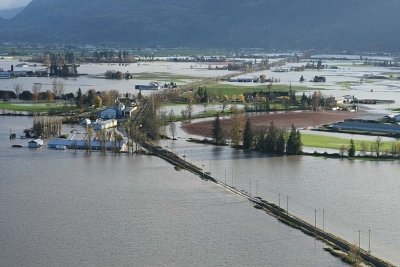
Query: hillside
x,y
286,24
10,13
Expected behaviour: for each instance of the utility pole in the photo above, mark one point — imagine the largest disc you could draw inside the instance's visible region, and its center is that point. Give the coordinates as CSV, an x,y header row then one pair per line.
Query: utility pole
x,y
323,221
315,223
359,239
256,187
232,177
250,188
279,200
287,205
225,178
369,240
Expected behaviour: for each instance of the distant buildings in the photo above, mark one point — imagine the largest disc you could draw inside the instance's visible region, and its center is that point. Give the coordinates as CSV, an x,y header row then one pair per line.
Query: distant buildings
x,y
84,144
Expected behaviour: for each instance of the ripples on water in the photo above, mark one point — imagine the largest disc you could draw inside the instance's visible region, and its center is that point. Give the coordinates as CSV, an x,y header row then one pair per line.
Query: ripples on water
x,y
61,208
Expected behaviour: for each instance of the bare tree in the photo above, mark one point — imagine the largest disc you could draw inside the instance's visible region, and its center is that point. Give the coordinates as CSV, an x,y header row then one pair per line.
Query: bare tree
x,y
114,96
237,126
58,88
316,100
171,115
49,96
378,145
189,107
36,88
363,149
90,131
18,89
106,96
172,129
342,150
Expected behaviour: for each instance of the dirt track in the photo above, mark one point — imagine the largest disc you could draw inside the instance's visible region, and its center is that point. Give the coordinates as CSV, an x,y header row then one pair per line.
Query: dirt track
x,y
298,119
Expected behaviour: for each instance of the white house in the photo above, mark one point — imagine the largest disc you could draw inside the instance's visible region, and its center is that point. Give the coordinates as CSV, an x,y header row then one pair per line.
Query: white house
x,y
100,125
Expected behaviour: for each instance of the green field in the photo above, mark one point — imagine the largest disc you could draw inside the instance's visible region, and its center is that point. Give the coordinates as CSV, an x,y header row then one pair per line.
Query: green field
x,y
231,89
36,107
321,141
163,76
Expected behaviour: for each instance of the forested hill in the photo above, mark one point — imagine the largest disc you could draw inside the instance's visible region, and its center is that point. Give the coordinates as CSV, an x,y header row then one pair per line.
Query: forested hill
x,y
285,24
9,13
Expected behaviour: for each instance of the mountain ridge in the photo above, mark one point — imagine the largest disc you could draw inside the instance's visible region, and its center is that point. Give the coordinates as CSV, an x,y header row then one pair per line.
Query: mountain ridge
x,y
339,24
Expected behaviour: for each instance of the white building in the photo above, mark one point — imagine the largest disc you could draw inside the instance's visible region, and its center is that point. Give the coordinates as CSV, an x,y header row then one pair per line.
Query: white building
x,y
100,125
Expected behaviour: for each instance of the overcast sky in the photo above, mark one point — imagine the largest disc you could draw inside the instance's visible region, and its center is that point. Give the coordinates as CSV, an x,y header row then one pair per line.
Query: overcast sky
x,y
8,4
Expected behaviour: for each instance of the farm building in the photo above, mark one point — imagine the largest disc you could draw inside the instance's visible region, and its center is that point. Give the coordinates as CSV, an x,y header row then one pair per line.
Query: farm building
x,y
112,112
35,143
100,125
127,112
84,144
367,127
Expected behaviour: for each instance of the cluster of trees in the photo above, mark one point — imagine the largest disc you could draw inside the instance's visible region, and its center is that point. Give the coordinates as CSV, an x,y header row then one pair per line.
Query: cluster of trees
x,y
202,95
239,67
112,74
261,101
264,139
374,149
57,92
92,98
63,70
316,101
111,55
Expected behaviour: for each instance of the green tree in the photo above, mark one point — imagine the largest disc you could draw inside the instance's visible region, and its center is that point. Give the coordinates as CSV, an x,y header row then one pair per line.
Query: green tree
x,y
247,135
271,139
352,149
319,64
79,99
281,142
90,96
294,144
204,99
216,131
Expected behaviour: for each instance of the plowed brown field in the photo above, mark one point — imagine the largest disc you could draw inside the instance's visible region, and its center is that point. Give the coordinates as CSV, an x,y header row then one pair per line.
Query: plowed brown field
x,y
298,119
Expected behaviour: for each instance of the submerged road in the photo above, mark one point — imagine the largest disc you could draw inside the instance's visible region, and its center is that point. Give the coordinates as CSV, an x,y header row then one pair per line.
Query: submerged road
x,y
270,208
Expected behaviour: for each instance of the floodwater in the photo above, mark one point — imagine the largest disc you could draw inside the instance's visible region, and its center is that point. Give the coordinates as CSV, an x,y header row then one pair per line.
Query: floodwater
x,y
61,208
94,71
66,208
343,196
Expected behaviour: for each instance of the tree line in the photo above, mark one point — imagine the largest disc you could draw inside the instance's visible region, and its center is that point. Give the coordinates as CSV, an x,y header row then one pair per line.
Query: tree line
x,y
269,139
